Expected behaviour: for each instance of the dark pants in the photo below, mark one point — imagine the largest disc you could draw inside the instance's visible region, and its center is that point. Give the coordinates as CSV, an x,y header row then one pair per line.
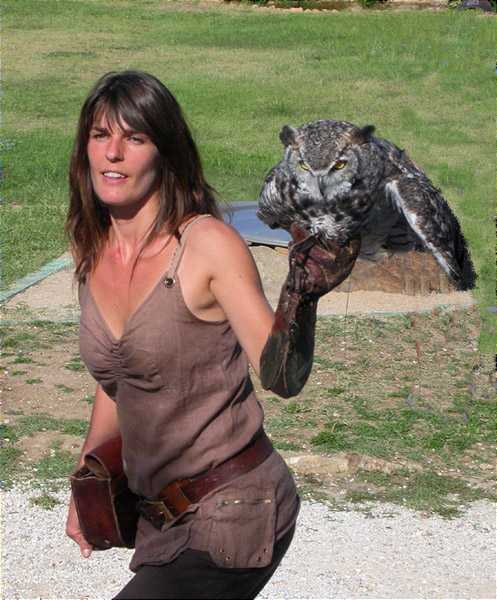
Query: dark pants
x,y
194,575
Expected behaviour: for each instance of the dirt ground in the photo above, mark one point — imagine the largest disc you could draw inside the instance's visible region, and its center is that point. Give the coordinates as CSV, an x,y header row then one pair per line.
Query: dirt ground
x,y
47,400
368,368
400,284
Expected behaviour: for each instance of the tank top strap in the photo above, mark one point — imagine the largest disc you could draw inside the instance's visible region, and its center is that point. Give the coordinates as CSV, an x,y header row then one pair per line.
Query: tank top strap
x,y
178,254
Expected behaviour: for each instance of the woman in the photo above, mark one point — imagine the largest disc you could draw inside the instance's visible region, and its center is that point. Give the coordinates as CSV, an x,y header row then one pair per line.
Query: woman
x,y
171,308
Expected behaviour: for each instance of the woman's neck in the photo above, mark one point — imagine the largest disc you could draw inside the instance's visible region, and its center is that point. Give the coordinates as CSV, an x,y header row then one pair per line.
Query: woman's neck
x,y
129,230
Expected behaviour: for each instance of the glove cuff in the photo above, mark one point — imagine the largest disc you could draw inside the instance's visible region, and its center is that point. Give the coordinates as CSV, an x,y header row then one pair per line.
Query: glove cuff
x,y
286,360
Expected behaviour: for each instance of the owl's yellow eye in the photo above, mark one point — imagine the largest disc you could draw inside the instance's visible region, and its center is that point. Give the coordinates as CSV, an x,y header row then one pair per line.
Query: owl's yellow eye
x,y
340,164
304,166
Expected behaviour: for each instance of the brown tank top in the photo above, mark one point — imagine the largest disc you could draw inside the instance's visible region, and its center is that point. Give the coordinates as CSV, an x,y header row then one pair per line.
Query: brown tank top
x,y
185,403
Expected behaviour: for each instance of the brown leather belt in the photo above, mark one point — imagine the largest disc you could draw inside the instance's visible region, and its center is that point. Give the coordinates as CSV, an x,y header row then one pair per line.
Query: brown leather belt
x,y
176,497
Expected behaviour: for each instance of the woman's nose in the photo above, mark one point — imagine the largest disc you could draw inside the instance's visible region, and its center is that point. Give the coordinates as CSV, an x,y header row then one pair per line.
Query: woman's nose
x,y
114,149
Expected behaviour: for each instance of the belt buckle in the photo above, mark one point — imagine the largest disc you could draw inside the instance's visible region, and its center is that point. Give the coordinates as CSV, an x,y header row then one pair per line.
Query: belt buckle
x,y
168,515
159,513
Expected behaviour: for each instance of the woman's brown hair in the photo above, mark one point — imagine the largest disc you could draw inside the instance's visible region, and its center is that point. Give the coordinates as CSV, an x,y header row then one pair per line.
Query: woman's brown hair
x,y
146,106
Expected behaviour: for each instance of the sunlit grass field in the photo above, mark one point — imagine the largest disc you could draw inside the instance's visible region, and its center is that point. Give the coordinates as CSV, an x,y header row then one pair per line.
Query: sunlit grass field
x,y
425,80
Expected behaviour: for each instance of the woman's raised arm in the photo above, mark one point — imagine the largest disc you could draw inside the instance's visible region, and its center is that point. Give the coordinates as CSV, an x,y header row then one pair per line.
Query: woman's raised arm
x,y
236,285
281,347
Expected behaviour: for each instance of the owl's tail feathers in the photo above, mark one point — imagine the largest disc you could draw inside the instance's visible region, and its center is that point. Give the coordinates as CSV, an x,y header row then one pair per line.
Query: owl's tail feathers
x,y
431,218
467,277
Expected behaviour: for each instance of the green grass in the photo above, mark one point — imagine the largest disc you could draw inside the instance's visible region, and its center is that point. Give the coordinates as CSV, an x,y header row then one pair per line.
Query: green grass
x,y
21,358
287,446
64,388
58,464
46,501
7,433
240,75
30,424
435,414
427,491
88,398
75,364
9,457
397,430
18,338
17,342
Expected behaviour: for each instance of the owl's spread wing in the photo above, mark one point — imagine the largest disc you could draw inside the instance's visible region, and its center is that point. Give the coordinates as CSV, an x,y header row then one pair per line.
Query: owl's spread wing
x,y
428,214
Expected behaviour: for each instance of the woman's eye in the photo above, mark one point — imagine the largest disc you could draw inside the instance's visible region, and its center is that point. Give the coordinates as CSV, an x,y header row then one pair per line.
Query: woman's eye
x,y
340,164
304,166
98,135
136,139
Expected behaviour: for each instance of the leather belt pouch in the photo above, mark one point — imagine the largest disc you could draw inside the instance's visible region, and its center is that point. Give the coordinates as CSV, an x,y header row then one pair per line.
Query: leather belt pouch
x,y
106,507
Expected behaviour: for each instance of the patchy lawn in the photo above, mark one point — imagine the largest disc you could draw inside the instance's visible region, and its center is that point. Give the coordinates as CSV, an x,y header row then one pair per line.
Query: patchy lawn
x,y
407,402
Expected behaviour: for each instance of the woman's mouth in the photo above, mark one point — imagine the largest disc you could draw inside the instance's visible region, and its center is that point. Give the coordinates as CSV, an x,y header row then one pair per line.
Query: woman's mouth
x,y
114,176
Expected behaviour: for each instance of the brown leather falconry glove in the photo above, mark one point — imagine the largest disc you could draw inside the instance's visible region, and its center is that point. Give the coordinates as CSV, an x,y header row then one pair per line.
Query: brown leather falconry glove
x,y
286,360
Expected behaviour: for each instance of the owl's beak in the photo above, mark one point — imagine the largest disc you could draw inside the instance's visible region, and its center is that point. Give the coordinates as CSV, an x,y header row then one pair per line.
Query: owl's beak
x,y
322,185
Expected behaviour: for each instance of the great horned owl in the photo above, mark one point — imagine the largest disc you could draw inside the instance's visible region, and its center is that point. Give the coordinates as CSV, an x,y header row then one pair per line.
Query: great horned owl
x,y
338,181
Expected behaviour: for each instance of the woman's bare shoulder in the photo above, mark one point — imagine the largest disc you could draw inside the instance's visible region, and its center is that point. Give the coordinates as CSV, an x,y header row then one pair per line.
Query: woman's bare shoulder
x,y
221,251
213,236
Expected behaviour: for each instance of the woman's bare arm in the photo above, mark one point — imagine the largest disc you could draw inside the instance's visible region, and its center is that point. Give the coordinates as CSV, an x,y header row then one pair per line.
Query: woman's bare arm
x,y
104,424
234,284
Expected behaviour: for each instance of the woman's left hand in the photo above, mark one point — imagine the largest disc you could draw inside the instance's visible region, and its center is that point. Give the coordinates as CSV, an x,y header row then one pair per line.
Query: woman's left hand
x,y
73,530
314,270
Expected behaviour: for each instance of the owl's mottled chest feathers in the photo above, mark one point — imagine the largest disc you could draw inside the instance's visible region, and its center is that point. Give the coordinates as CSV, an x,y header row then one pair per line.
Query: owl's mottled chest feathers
x,y
328,181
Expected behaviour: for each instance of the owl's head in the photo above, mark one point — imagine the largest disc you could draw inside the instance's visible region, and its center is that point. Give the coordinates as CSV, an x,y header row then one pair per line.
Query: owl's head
x,y
323,182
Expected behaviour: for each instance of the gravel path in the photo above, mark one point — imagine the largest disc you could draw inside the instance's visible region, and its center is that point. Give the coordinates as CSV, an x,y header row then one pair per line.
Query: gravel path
x,y
388,552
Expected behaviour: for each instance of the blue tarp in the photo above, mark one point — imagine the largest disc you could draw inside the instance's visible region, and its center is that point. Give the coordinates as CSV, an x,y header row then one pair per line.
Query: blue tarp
x,y
245,221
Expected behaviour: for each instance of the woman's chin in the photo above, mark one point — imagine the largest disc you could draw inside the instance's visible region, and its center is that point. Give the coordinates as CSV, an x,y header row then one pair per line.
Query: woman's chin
x,y
124,207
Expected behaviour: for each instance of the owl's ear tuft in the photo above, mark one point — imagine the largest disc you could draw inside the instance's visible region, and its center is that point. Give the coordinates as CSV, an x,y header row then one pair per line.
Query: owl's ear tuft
x,y
363,135
288,136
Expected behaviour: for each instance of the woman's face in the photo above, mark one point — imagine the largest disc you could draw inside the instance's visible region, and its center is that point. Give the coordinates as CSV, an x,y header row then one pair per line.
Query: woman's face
x,y
124,164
